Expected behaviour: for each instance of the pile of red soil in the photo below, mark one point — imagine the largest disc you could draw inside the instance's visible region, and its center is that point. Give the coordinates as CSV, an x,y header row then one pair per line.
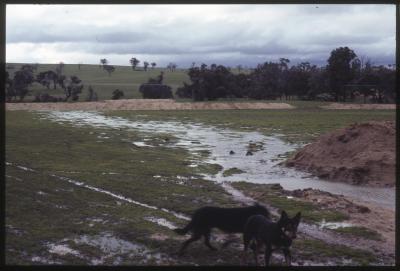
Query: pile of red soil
x,y
362,154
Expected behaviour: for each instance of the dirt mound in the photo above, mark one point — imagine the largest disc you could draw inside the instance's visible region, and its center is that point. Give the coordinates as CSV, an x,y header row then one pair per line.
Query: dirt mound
x,y
362,154
146,104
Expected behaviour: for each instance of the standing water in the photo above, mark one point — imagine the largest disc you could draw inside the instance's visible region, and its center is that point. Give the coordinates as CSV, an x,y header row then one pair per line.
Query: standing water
x,y
259,166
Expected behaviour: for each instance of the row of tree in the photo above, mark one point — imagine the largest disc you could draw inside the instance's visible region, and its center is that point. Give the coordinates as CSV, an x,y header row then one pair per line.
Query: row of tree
x,y
18,86
134,63
345,77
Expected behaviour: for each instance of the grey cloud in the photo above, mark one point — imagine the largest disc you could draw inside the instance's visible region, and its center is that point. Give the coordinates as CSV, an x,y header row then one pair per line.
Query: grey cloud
x,y
302,32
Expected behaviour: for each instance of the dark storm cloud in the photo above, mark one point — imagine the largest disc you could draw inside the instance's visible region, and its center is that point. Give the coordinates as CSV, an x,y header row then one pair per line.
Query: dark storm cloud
x,y
241,34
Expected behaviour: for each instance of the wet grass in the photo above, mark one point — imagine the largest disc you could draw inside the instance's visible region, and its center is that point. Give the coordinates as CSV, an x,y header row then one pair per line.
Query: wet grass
x,y
273,195
296,125
42,210
232,171
360,232
76,153
319,251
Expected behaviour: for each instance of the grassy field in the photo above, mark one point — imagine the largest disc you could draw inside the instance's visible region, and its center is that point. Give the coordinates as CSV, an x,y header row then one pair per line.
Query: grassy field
x,y
45,212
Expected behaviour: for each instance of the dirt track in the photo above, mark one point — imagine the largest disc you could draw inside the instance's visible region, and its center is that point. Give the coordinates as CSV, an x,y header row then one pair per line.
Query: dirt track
x,y
146,104
358,106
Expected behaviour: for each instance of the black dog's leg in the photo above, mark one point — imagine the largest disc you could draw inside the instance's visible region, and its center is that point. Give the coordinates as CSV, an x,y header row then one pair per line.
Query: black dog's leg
x,y
246,240
288,256
231,239
268,252
195,236
256,250
207,236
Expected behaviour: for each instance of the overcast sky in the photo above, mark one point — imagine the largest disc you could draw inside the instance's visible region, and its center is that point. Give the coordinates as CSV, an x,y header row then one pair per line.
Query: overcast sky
x,y
221,34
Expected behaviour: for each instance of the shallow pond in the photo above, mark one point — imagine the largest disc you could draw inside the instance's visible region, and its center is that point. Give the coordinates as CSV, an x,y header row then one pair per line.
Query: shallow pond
x,y
229,149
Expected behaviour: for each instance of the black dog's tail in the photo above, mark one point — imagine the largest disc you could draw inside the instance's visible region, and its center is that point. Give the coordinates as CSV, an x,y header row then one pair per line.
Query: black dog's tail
x,y
184,230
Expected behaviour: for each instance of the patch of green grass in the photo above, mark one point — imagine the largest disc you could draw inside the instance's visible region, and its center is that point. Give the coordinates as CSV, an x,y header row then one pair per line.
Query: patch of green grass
x,y
232,171
208,168
273,195
360,232
318,250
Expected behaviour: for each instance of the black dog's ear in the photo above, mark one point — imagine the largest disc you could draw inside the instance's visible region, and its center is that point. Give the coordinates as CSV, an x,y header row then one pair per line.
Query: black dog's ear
x,y
284,215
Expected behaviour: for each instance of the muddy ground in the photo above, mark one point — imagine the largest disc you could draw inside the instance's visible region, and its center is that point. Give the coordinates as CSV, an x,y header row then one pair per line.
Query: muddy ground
x,y
360,154
146,104
94,195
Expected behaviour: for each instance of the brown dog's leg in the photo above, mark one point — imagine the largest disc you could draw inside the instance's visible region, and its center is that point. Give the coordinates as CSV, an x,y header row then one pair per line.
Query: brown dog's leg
x,y
288,256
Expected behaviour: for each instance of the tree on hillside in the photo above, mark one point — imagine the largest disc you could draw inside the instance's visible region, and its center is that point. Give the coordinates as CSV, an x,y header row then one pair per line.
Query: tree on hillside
x,y
153,65
117,94
171,66
46,78
134,62
145,65
92,95
73,88
339,70
21,81
103,62
109,68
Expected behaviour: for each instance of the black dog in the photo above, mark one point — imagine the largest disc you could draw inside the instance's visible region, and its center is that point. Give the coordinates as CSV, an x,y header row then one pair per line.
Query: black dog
x,y
261,231
230,220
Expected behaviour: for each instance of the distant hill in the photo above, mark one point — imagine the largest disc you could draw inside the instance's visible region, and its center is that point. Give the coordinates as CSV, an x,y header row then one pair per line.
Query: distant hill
x,y
123,78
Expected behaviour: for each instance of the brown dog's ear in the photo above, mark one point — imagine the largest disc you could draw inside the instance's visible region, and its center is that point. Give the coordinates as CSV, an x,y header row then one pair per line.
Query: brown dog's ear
x,y
297,217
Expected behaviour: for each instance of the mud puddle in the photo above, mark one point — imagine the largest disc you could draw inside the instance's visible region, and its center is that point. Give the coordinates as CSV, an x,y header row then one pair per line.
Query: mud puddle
x,y
230,149
113,250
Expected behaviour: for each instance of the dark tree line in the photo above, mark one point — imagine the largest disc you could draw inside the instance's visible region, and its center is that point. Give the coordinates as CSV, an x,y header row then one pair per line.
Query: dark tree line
x,y
344,78
18,86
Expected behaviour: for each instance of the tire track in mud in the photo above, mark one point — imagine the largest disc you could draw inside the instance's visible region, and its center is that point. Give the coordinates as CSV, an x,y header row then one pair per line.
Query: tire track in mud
x,y
165,222
382,249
